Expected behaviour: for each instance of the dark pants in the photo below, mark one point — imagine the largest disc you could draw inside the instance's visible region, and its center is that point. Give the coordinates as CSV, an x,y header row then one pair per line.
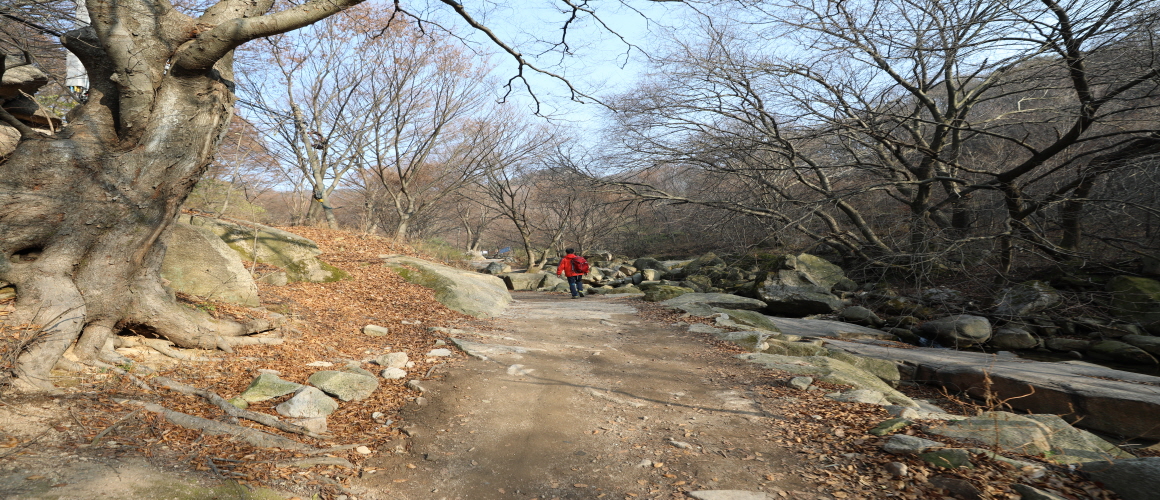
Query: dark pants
x,y
575,286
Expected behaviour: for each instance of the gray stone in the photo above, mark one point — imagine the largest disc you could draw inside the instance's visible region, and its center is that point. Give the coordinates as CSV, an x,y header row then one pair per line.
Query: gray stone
x,y
901,444
1067,345
1132,479
1026,298
829,370
754,340
730,495
951,458
1148,343
393,373
346,386
865,396
439,353
801,383
484,351
890,426
662,293
1070,445
309,402
703,328
376,331
473,294
959,331
267,386
496,267
798,301
811,348
702,304
296,255
393,360
1013,338
523,281
1031,493
1123,352
740,318
1094,397
198,263
861,316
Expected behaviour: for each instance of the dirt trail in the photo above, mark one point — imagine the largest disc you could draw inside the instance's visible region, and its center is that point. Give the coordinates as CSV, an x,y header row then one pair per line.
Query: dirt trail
x,y
600,404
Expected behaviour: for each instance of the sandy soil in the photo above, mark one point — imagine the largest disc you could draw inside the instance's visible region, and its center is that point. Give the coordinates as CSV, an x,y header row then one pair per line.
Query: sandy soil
x,y
599,404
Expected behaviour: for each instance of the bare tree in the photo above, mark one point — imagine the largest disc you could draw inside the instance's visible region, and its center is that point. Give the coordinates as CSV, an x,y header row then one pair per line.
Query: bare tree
x,y
978,120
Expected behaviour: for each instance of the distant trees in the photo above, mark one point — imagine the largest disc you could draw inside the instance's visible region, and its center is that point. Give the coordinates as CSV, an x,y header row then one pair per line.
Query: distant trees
x,y
905,132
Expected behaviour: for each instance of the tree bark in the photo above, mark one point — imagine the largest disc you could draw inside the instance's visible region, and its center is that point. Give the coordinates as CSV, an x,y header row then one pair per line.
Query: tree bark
x,y
84,213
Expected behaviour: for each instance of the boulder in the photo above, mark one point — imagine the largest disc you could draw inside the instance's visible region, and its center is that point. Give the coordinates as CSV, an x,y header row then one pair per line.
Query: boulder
x,y
1013,338
1148,343
650,263
268,386
829,370
901,444
865,396
959,331
1132,479
741,318
708,260
297,255
1111,401
1114,350
523,281
797,301
1046,436
753,340
474,294
1067,345
346,386
651,274
798,349
496,267
393,360
197,262
661,293
1136,300
1026,298
861,316
308,402
627,289
702,304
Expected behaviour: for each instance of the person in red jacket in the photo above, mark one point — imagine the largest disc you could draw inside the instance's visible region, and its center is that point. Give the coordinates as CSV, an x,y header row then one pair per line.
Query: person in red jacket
x,y
574,267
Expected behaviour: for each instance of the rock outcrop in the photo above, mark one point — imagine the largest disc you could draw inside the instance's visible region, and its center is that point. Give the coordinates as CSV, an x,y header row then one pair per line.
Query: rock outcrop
x,y
470,293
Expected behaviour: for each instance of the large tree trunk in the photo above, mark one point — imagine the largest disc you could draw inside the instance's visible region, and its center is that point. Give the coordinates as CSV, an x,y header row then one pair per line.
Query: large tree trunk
x,y
84,213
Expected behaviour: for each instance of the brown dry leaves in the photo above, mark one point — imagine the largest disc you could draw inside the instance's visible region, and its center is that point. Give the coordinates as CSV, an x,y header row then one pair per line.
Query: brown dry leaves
x,y
325,324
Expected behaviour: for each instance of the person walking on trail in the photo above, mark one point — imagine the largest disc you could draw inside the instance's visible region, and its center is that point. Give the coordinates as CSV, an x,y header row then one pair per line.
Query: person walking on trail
x,y
574,267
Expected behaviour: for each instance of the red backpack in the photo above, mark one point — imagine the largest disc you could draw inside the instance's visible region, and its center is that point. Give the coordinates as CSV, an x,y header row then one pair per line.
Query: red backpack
x,y
579,265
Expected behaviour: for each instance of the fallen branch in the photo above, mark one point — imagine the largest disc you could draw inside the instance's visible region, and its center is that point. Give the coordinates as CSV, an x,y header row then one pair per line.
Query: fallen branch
x,y
97,438
234,411
251,436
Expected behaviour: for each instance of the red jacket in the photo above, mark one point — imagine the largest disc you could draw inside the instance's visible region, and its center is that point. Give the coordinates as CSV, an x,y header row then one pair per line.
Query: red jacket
x,y
565,266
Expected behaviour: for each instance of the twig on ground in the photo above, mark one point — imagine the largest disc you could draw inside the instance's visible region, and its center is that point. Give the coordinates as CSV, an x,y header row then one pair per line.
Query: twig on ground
x,y
234,411
97,438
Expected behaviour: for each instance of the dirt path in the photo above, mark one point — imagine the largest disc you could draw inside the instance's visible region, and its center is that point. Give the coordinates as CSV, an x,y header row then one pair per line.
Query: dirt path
x,y
599,404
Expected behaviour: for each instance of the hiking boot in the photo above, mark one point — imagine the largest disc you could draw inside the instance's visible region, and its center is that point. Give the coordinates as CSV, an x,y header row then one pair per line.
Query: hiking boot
x,y
575,296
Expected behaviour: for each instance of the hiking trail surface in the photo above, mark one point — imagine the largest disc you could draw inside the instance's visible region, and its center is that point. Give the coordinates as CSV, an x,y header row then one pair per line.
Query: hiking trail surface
x,y
584,399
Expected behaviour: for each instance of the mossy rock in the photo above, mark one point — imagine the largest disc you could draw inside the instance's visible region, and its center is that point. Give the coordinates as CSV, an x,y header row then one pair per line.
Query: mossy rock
x,y
660,293
295,254
744,318
1136,300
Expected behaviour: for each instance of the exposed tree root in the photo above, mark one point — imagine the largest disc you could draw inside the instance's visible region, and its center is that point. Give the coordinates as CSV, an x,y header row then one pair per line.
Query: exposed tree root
x,y
251,436
165,347
234,411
